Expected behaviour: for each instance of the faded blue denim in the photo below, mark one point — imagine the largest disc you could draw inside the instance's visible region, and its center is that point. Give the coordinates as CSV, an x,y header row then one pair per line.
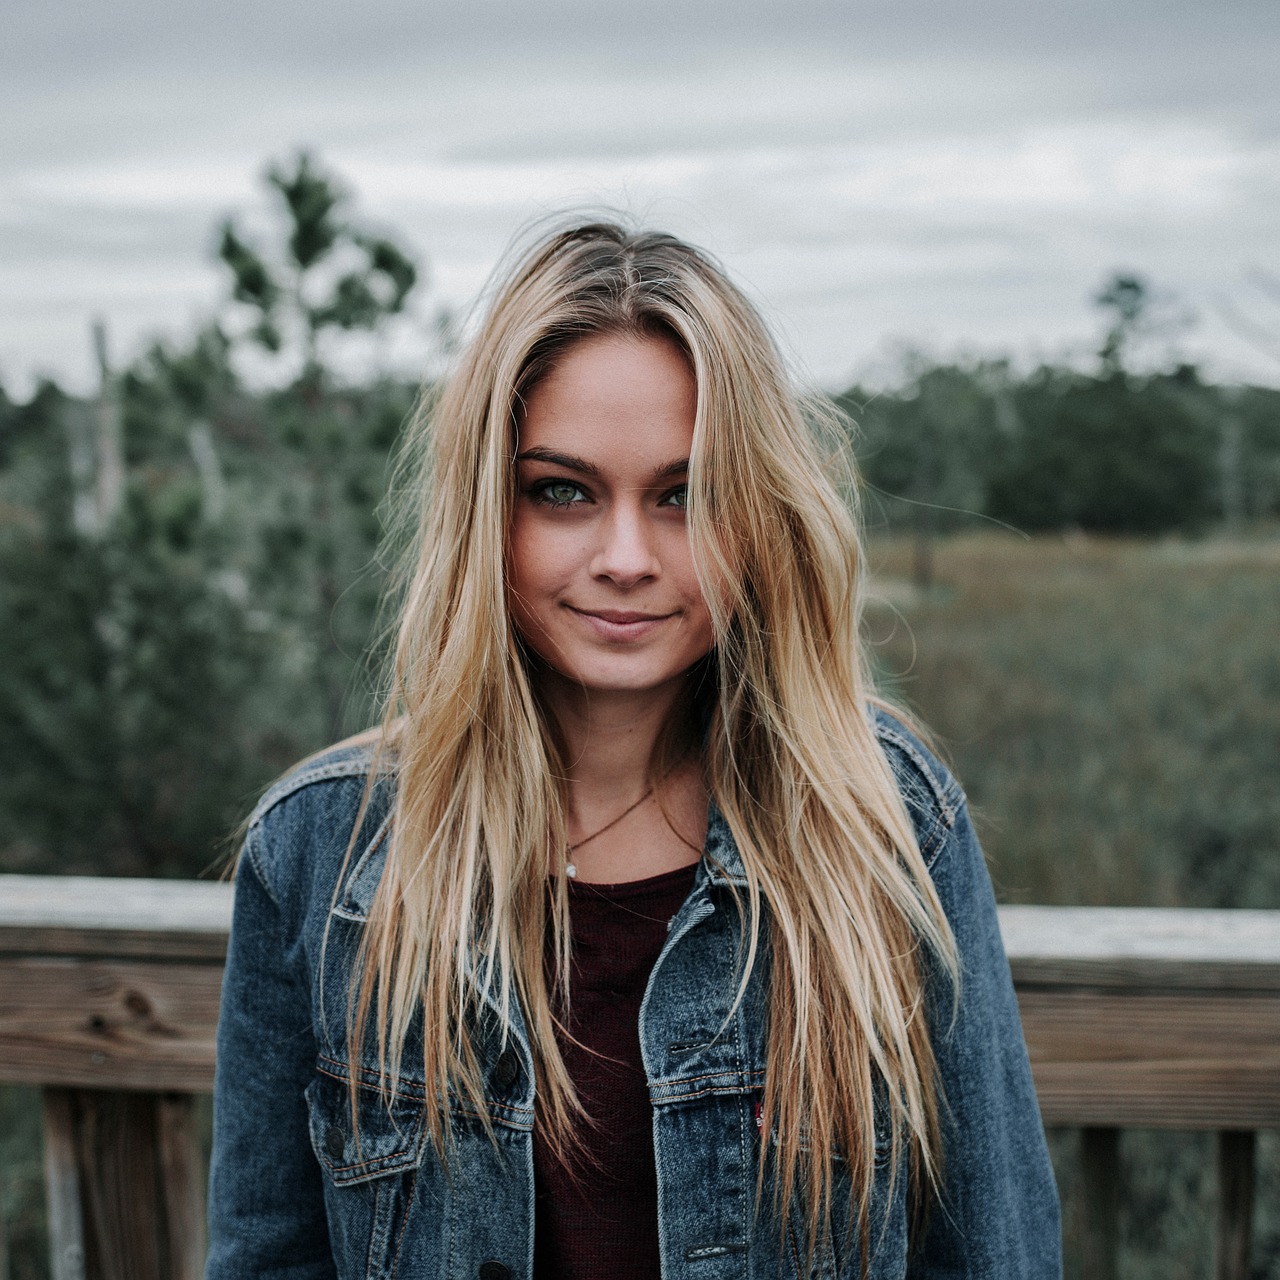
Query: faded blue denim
x,y
293,1195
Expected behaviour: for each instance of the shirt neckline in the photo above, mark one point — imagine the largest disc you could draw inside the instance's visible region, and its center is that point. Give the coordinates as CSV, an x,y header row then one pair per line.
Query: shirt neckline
x,y
649,886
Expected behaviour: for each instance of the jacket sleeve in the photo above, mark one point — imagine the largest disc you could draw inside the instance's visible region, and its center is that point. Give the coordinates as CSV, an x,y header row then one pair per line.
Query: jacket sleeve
x,y
266,1205
995,1215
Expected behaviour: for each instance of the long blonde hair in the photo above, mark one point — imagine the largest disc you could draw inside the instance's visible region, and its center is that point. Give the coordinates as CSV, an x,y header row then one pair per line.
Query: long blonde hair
x,y
791,756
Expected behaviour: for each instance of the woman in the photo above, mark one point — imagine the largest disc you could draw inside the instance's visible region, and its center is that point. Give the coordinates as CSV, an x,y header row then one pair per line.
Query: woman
x,y
638,941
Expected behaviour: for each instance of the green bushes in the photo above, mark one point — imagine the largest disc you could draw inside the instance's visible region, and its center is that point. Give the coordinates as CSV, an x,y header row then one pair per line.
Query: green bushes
x,y
188,575
1059,449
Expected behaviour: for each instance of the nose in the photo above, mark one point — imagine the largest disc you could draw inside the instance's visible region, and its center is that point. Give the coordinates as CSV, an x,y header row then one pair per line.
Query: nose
x,y
625,553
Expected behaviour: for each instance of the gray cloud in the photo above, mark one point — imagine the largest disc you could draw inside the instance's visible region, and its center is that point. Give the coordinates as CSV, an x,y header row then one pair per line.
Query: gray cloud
x,y
193,33
945,174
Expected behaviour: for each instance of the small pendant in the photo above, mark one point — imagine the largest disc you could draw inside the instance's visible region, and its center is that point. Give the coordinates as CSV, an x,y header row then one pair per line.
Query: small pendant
x,y
571,871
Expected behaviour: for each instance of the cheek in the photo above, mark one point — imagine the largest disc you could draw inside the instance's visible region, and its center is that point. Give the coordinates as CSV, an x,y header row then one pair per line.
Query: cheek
x,y
524,606
705,632
698,600
539,561
701,635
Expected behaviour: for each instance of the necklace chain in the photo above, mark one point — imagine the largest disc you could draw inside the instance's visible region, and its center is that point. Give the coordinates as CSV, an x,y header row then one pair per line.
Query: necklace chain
x,y
570,869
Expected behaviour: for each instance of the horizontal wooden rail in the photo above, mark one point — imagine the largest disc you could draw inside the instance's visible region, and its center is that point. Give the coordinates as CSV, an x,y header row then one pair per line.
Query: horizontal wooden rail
x,y
109,1000
1150,1018
1134,1018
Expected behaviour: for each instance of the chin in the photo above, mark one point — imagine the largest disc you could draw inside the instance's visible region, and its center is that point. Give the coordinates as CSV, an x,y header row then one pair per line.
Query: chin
x,y
613,675
596,680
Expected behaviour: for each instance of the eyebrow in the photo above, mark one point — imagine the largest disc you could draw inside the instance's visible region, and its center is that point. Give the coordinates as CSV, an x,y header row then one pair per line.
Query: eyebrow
x,y
571,462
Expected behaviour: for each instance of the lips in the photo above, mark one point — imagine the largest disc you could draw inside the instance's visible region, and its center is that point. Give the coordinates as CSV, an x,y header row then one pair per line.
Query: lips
x,y
614,626
619,616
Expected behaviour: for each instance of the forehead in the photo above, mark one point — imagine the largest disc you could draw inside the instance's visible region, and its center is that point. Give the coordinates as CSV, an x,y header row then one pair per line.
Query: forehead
x,y
613,391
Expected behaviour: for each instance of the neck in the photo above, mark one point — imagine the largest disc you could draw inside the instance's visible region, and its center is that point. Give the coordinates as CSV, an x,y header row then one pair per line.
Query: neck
x,y
609,741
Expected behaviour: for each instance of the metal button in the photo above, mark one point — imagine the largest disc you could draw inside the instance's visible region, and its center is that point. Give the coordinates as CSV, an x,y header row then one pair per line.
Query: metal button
x,y
334,1143
505,1071
494,1271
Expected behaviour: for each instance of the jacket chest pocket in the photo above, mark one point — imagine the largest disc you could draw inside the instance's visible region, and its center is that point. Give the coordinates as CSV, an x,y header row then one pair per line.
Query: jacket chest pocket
x,y
380,1137
370,1161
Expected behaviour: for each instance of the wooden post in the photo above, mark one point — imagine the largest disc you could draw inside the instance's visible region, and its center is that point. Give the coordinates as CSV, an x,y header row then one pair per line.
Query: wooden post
x,y
1100,1158
4,1247
62,1187
119,1185
1235,1204
182,1181
125,1185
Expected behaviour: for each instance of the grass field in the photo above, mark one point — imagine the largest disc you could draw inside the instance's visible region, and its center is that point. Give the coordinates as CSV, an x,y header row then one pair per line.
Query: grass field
x,y
1113,710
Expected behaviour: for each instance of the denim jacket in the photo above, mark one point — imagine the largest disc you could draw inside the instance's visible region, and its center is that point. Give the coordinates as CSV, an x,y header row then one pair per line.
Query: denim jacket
x,y
294,1194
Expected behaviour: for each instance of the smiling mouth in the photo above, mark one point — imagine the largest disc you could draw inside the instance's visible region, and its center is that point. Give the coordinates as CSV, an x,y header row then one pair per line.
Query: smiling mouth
x,y
619,617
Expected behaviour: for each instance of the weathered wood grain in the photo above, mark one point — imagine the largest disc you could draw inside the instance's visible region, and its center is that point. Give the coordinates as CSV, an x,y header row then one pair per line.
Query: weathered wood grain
x,y
116,1148
62,1187
1100,1170
109,998
126,1191
1143,947
1099,946
1132,1017
182,1182
1185,1060
85,915
108,1024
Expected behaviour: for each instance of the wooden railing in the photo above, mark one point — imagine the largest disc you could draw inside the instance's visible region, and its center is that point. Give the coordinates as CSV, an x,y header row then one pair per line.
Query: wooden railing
x,y
1154,1019
109,997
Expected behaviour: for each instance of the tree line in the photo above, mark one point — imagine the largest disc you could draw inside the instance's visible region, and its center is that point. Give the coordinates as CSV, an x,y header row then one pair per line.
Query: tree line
x,y
189,566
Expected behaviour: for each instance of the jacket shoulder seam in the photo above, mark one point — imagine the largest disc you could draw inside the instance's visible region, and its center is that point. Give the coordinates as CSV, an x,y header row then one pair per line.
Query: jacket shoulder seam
x,y
253,856
292,783
945,792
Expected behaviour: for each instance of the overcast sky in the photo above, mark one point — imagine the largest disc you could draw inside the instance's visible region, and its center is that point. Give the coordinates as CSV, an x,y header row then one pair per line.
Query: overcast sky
x,y
880,175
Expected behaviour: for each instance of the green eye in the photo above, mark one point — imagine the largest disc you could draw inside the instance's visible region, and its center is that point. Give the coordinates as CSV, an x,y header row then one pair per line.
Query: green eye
x,y
677,498
560,493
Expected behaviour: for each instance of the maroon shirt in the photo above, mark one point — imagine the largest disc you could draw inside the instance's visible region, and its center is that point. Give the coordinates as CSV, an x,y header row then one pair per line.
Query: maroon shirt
x,y
599,1219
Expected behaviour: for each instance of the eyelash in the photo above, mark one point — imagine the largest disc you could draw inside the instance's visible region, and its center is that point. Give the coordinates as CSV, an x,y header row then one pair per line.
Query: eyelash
x,y
541,493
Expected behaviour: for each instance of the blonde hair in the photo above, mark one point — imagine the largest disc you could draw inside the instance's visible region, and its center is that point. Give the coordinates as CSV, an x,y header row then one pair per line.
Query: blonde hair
x,y
791,756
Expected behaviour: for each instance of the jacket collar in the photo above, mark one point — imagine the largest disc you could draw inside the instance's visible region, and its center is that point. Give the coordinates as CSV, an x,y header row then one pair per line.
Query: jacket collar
x,y
721,861
356,897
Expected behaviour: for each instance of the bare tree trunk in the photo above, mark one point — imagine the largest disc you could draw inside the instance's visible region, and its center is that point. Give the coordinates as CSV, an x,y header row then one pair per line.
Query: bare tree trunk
x,y
107,436
84,504
1231,472
213,486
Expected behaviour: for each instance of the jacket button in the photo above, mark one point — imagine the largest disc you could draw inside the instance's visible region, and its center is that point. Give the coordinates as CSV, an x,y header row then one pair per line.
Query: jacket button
x,y
505,1071
334,1143
494,1271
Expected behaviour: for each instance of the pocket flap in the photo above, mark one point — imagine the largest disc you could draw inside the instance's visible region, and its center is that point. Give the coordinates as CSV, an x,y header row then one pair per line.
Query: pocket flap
x,y
379,1141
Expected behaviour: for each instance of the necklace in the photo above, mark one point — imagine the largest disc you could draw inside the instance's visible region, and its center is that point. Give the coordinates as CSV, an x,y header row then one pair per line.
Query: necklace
x,y
569,869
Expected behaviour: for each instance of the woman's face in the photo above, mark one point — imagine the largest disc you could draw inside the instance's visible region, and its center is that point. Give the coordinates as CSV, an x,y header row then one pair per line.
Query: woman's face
x,y
599,572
